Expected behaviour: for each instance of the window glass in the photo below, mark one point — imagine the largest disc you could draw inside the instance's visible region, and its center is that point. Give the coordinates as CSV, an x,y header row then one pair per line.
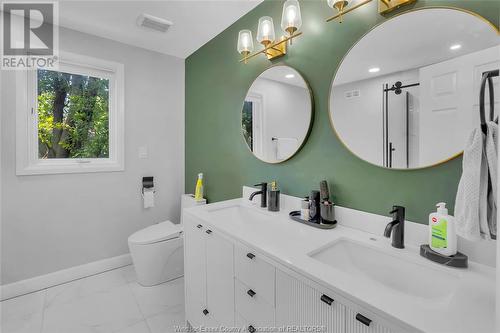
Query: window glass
x,y
73,115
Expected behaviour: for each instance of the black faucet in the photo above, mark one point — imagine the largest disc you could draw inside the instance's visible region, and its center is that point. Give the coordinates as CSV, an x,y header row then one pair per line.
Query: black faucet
x,y
262,192
397,227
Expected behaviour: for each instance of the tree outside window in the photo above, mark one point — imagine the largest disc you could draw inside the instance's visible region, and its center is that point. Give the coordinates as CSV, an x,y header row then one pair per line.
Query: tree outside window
x,y
73,115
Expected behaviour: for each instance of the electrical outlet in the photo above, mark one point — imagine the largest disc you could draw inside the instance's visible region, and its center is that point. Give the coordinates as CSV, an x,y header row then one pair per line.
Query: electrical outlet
x,y
143,152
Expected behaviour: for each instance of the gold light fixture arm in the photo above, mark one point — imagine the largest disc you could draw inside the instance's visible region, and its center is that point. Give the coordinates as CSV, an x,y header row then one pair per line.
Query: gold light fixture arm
x,y
343,12
273,50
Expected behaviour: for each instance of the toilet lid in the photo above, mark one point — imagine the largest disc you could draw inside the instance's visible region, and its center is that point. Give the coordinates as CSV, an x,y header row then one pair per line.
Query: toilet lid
x,y
156,233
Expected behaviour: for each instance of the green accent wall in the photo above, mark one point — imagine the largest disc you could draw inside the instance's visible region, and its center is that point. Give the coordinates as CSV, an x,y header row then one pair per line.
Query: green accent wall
x,y
216,84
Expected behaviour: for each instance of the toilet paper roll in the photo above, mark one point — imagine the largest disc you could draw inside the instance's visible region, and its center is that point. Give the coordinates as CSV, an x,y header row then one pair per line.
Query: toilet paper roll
x,y
149,197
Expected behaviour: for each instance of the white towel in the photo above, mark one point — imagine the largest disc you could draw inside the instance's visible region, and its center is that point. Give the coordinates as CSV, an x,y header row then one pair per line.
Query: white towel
x,y
285,148
491,150
470,203
475,204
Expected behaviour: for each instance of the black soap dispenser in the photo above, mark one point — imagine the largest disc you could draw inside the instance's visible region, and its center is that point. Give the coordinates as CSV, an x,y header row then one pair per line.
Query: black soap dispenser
x,y
273,198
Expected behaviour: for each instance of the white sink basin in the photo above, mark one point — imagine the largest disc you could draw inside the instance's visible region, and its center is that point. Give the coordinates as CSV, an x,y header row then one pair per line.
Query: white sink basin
x,y
259,224
239,214
392,271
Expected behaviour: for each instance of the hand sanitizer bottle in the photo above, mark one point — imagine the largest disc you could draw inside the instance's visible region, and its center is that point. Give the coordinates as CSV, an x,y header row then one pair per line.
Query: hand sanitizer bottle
x,y
442,231
198,193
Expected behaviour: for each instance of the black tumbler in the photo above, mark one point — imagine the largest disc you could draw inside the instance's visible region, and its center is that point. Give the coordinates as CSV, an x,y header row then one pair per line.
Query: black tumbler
x,y
327,213
273,198
314,209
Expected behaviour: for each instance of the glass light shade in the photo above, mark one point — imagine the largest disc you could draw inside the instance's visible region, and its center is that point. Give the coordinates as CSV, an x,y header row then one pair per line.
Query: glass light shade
x,y
337,4
265,32
245,42
291,19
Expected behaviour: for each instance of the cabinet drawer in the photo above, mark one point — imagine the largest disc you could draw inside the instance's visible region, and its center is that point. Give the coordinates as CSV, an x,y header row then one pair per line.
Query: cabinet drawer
x,y
254,272
254,309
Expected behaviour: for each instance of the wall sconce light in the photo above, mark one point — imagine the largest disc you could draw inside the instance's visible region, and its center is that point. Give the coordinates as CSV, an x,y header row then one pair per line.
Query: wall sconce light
x,y
265,31
384,6
291,21
245,42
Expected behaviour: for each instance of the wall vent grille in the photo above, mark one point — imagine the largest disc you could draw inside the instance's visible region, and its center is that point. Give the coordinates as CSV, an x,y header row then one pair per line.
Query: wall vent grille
x,y
352,94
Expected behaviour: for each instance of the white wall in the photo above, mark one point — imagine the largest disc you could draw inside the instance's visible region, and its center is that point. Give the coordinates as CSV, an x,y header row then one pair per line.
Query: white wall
x,y
497,312
1,182
286,113
498,249
52,222
450,102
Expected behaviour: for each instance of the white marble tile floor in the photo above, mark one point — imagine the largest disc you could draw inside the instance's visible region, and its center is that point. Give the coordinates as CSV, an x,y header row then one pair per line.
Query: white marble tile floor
x,y
111,302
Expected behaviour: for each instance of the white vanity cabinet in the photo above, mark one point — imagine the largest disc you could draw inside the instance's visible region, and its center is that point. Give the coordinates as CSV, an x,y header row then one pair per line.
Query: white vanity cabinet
x,y
254,288
230,284
209,276
361,322
298,304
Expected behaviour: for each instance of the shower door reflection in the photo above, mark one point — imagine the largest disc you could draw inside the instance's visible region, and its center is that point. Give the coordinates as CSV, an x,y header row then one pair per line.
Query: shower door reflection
x,y
400,125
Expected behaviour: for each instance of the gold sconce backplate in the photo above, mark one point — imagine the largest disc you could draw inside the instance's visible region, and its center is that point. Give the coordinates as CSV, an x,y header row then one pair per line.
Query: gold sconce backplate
x,y
276,50
386,6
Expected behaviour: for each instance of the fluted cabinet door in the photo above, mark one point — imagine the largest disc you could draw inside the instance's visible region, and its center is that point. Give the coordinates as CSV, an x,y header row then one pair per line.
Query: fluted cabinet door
x,y
363,324
297,304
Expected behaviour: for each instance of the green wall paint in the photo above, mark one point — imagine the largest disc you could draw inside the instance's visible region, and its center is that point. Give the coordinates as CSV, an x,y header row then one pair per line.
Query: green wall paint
x,y
216,84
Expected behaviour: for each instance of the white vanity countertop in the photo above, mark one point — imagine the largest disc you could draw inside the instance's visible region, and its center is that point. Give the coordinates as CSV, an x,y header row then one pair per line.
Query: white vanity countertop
x,y
469,308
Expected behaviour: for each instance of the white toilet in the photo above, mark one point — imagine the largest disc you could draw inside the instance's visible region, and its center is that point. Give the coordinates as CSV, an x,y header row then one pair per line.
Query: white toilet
x,y
157,251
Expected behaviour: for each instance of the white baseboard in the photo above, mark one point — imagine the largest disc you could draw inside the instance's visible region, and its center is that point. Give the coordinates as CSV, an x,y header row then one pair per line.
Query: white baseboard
x,y
63,276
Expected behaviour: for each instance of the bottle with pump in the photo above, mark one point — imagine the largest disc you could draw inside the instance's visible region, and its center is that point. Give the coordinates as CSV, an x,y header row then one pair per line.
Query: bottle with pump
x,y
442,231
198,193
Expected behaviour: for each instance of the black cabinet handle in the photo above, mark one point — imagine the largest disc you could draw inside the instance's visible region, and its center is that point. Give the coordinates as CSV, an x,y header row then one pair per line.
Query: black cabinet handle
x,y
199,226
205,312
250,255
326,299
251,329
362,319
208,231
251,293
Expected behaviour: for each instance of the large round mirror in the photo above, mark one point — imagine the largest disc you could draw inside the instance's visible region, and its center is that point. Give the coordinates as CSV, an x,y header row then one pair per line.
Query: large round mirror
x,y
277,114
407,94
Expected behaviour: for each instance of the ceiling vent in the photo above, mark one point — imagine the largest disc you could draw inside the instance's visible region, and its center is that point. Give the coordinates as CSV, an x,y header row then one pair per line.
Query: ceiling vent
x,y
153,22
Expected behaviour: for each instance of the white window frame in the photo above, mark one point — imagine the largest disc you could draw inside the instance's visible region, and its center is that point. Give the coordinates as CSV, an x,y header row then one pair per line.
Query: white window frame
x,y
27,160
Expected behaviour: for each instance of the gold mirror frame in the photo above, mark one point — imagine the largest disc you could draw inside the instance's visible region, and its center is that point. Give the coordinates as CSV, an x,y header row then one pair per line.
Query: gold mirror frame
x,y
311,120
493,26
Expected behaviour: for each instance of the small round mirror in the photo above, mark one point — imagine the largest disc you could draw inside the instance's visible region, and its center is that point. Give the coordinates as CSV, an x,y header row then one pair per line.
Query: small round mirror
x,y
277,114
406,95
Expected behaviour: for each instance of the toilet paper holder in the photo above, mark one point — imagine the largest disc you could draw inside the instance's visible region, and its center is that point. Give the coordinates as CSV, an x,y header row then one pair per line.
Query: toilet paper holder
x,y
147,183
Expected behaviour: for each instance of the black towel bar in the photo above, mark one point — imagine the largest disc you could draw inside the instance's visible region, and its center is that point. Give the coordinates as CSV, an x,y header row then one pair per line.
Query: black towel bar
x,y
487,78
